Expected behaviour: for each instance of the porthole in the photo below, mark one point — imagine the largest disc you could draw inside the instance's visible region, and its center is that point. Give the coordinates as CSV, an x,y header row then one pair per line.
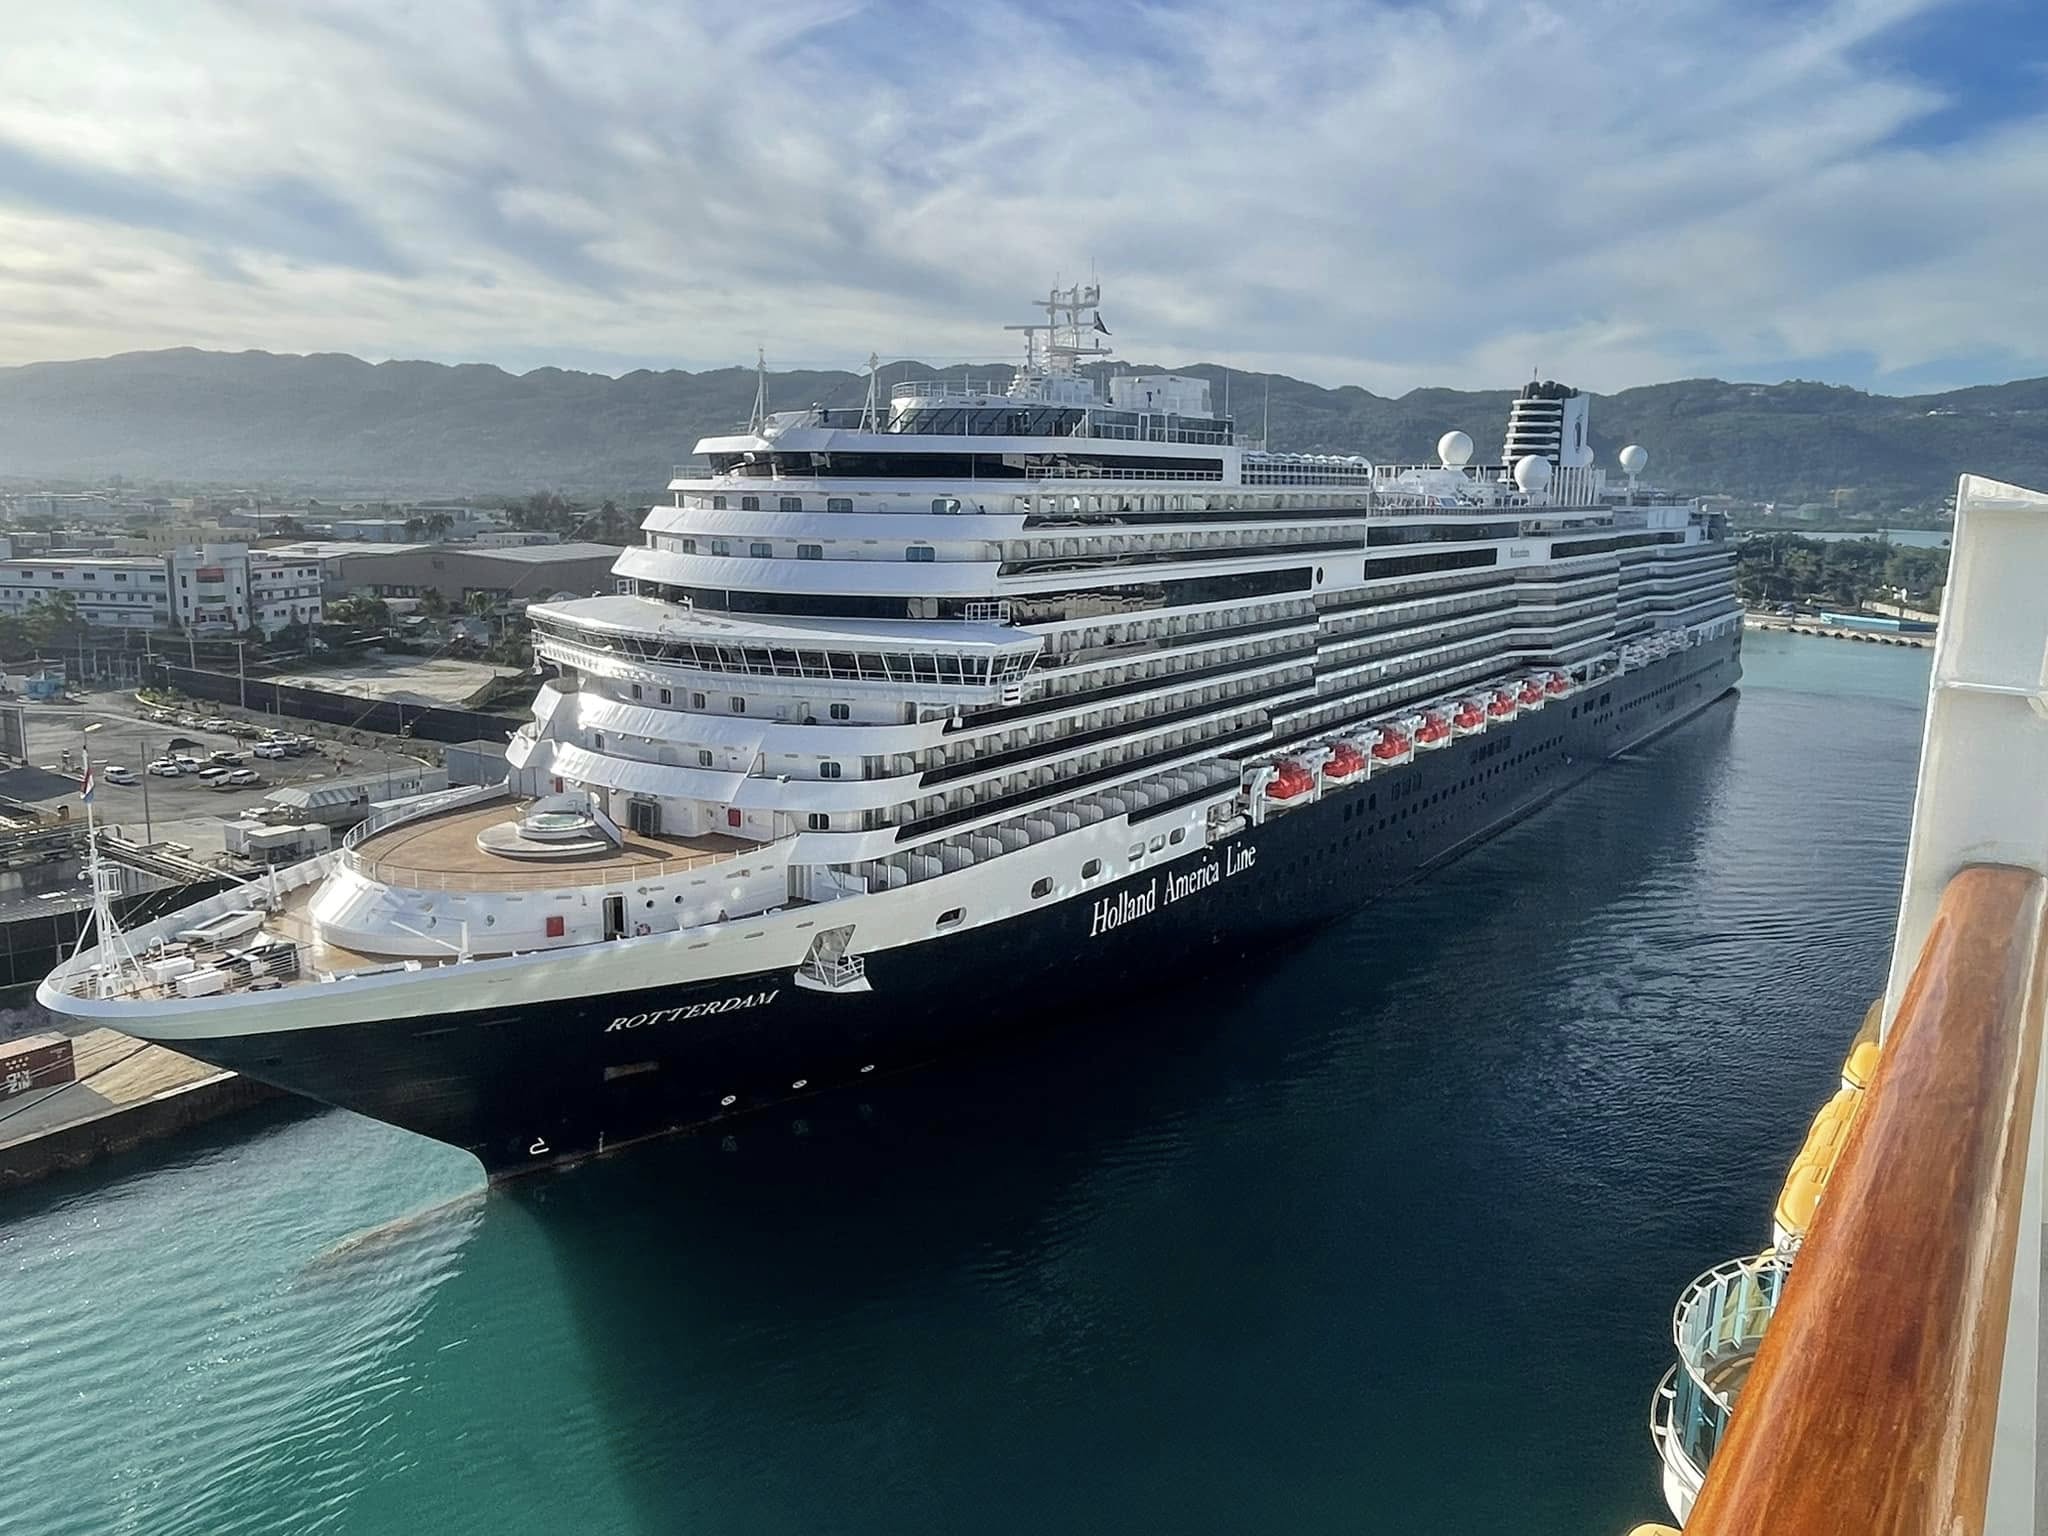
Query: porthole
x,y
1091,869
1177,835
1136,852
1041,888
952,917
1155,845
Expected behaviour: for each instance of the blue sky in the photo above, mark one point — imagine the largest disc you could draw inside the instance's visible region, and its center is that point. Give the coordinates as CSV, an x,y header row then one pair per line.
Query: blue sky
x,y
1393,194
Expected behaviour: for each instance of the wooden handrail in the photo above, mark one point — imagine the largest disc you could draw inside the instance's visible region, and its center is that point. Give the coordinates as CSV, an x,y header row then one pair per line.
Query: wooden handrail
x,y
1873,1398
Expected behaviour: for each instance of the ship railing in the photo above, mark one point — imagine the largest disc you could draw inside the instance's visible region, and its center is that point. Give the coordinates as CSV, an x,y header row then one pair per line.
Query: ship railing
x,y
1716,1328
389,872
1898,1387
949,389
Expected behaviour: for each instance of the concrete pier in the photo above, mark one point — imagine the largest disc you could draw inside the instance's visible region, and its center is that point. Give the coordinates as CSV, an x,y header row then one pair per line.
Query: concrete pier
x,y
124,1092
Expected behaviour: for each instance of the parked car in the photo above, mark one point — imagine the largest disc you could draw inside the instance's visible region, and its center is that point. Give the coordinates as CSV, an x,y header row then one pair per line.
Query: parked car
x,y
117,774
209,775
216,723
186,761
166,769
298,746
272,749
243,777
226,759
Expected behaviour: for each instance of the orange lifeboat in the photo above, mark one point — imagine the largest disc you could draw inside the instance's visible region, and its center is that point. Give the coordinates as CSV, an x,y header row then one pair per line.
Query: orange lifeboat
x,y
1531,694
1434,731
1557,685
1344,763
1471,716
1502,705
1392,745
1291,783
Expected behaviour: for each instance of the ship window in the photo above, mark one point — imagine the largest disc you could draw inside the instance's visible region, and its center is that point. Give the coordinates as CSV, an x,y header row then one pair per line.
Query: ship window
x,y
739,705
703,757
792,504
720,547
838,503
718,503
1156,844
667,696
732,816
829,770
820,822
920,552
761,551
1091,869
945,505
1041,888
842,711
951,917
636,690
696,701
1135,852
750,503
1177,835
810,551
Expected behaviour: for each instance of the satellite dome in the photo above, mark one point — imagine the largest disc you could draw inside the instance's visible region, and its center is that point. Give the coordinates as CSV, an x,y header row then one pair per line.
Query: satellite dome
x,y
1633,458
1455,449
1532,473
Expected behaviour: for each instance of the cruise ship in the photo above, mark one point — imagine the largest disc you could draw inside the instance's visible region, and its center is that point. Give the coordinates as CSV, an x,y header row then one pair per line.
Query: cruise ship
x,y
940,714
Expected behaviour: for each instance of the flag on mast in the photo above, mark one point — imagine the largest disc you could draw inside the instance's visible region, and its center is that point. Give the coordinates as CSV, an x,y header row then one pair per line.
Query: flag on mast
x,y
1099,326
85,785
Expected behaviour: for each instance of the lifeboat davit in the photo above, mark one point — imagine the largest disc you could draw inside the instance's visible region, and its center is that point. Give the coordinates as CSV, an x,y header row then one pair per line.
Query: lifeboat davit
x,y
1434,731
1471,716
1531,696
1291,783
1392,745
1344,763
1557,685
1502,705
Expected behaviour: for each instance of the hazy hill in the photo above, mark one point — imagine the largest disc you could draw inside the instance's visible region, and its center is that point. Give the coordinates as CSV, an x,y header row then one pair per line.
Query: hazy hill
x,y
334,423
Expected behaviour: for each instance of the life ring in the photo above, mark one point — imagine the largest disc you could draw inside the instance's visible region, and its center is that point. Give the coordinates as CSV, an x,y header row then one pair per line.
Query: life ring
x,y
641,929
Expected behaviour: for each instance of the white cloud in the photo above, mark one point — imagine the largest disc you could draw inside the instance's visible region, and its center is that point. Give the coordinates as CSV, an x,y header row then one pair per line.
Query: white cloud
x,y
1444,193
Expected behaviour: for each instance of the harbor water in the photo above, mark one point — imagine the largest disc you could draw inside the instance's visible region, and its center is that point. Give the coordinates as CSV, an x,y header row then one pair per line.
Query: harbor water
x,y
1380,1235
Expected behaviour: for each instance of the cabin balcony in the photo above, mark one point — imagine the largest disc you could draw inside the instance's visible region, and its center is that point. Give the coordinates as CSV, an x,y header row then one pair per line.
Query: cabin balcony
x,y
1717,1326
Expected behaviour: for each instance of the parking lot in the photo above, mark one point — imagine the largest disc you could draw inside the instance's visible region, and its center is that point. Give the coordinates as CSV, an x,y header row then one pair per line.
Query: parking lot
x,y
183,809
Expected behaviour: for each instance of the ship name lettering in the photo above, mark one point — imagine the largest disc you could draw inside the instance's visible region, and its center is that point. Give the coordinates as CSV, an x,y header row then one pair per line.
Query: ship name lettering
x,y
693,1010
1114,911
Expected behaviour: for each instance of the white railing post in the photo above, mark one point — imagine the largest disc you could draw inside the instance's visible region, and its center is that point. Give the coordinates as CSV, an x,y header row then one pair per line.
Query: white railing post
x,y
1984,754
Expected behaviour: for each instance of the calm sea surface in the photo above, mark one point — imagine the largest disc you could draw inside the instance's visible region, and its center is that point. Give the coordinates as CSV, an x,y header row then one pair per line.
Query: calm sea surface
x,y
1381,1236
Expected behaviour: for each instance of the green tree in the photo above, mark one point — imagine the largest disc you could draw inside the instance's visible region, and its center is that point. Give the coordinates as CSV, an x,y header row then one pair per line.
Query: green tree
x,y
361,608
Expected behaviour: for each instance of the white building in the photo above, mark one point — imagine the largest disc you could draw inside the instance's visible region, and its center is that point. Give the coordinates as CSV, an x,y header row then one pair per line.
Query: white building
x,y
227,588
111,592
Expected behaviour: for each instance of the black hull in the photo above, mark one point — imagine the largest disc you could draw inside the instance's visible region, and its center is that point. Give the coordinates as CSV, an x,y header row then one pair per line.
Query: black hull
x,y
529,1087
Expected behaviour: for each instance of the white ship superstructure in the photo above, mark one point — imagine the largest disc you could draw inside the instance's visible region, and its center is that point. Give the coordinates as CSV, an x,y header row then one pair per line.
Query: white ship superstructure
x,y
910,671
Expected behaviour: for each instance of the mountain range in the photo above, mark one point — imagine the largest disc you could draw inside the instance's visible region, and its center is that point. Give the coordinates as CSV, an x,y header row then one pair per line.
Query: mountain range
x,y
336,425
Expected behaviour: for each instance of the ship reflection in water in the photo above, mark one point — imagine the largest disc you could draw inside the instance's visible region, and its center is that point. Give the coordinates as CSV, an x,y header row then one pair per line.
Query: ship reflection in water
x,y
1377,1234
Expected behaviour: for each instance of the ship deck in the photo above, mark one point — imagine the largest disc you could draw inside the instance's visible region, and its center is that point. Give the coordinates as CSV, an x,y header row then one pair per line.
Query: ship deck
x,y
441,851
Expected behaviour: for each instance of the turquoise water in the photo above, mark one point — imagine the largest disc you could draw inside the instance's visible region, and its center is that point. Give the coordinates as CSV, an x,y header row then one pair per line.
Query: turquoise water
x,y
1382,1236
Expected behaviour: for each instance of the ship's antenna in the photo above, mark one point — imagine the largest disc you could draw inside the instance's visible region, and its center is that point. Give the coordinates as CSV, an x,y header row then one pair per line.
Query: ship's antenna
x,y
760,415
868,417
113,944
